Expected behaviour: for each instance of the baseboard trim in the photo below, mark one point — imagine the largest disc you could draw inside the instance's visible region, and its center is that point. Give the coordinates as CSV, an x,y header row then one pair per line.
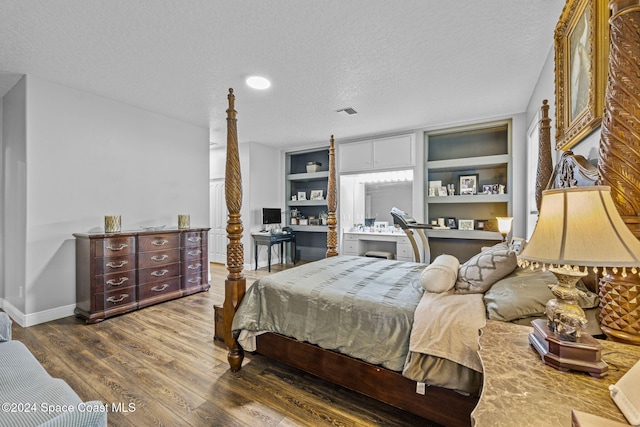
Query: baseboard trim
x,y
26,320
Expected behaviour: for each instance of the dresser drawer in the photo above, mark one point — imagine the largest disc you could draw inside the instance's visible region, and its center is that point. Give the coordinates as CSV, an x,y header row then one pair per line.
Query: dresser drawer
x,y
114,264
152,290
193,253
115,246
118,280
162,257
194,280
115,299
191,238
192,266
155,274
154,242
350,237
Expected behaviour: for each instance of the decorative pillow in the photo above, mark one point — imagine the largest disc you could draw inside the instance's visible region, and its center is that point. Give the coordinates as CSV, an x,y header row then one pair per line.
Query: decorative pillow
x,y
440,275
524,293
484,269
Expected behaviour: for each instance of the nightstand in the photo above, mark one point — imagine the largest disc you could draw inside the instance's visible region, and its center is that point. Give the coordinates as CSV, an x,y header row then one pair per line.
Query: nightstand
x,y
520,390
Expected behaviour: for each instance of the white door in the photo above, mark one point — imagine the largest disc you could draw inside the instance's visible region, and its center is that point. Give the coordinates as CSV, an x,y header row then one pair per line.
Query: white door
x,y
218,222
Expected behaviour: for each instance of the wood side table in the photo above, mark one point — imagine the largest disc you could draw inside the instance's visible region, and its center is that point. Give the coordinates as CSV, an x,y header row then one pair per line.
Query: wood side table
x,y
520,390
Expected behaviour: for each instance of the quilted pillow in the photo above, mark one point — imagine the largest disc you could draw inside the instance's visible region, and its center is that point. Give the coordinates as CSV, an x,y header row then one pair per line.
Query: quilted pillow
x,y
484,269
440,275
524,293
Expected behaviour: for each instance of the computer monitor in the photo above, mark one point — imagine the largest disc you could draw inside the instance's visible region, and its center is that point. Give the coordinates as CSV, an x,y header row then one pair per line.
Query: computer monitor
x,y
271,216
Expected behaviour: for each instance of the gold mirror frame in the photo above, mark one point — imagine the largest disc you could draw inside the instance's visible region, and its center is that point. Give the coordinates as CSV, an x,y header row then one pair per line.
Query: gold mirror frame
x,y
579,107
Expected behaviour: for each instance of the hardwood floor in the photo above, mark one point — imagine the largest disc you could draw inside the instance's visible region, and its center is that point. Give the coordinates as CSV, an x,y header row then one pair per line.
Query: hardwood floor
x,y
162,366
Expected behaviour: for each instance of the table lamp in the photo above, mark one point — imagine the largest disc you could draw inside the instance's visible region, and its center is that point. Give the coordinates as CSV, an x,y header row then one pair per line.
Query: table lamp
x,y
577,227
504,226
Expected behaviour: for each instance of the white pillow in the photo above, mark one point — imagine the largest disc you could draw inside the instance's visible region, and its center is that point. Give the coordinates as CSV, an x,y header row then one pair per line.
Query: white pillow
x,y
440,276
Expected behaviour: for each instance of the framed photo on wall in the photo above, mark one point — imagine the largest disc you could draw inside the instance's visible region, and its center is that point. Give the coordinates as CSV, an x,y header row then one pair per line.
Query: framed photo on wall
x,y
581,52
468,184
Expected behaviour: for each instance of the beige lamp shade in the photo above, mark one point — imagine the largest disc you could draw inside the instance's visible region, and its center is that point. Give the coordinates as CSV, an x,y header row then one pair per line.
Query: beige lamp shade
x,y
580,226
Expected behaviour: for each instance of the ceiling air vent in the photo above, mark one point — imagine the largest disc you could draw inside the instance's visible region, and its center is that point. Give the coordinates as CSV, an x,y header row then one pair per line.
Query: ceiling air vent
x,y
350,111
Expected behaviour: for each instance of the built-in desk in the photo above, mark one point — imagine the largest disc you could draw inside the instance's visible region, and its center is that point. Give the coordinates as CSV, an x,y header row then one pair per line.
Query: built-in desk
x,y
520,390
269,239
359,242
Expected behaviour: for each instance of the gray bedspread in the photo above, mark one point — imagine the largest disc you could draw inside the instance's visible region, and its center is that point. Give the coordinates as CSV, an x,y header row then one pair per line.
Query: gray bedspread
x,y
316,303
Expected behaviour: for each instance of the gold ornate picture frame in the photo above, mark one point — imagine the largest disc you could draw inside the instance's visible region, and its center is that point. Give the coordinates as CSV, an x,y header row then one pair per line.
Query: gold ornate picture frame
x,y
581,59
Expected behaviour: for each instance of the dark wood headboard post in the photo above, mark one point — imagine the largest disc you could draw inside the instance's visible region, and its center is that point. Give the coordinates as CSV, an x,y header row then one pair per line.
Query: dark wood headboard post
x,y
619,162
332,235
236,284
545,160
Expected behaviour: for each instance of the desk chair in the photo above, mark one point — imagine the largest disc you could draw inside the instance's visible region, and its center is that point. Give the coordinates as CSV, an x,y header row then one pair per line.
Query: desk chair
x,y
411,226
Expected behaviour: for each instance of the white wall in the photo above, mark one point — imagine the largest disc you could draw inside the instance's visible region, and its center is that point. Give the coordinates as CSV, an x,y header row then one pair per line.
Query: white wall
x,y
14,183
86,157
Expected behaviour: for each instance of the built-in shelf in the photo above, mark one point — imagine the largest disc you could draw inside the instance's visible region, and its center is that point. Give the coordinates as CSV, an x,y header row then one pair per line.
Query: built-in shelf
x,y
483,152
468,162
310,228
311,240
308,176
476,198
464,234
307,203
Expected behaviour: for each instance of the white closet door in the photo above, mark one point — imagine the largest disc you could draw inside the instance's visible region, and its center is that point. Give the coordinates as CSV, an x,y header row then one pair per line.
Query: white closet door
x,y
218,222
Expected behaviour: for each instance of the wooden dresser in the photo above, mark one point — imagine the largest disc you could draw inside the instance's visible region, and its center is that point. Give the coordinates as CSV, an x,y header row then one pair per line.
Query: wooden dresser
x,y
121,272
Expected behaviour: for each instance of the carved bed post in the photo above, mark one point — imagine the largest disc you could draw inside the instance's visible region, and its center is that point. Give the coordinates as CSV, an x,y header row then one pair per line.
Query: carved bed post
x,y
545,161
332,235
235,285
619,162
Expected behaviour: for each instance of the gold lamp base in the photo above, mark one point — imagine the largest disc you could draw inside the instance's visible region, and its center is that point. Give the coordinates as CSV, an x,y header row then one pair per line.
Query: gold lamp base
x,y
583,355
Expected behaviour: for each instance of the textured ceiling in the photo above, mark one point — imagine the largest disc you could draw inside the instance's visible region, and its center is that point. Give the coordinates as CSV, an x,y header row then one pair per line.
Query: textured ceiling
x,y
401,64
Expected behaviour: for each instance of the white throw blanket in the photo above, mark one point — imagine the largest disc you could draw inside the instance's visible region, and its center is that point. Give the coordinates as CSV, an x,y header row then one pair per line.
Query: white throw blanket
x,y
447,325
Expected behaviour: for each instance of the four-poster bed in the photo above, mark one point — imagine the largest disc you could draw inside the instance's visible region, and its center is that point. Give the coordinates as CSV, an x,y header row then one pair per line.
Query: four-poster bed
x,y
437,404
381,379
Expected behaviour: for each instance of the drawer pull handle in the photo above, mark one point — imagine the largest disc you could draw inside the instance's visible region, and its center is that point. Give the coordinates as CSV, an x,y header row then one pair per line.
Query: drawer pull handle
x,y
159,258
194,266
194,239
119,248
159,288
194,280
112,282
117,300
194,253
159,273
114,265
159,242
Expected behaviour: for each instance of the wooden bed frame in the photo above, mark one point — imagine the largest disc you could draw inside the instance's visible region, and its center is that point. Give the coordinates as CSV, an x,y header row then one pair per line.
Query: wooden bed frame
x,y
438,404
618,152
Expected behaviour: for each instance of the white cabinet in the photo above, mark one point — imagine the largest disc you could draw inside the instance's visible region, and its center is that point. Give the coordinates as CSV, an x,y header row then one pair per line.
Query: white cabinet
x,y
385,153
404,251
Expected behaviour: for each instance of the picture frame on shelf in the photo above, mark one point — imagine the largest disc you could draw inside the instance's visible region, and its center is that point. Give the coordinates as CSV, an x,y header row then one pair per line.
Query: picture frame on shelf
x,y
451,223
487,189
442,191
581,52
468,184
302,195
434,188
316,195
479,225
517,244
465,224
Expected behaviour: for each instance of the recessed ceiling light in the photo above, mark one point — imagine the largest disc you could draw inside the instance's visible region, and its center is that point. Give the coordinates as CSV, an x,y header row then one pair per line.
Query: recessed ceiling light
x,y
258,82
